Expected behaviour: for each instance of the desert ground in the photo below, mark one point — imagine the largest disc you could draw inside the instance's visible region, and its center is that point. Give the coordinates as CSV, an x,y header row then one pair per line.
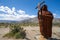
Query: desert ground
x,y
31,33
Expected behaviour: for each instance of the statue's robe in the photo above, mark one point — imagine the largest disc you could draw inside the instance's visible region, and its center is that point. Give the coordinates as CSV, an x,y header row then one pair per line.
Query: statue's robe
x,y
45,23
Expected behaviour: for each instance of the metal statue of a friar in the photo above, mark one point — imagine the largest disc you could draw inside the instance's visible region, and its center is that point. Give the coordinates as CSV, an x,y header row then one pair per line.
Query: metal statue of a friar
x,y
45,19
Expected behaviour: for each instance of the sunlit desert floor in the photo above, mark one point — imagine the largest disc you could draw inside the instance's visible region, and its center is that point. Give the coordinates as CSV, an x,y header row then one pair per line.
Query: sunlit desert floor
x,y
31,33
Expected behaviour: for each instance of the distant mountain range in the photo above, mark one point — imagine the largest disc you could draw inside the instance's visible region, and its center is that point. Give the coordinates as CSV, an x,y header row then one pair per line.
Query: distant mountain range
x,y
35,20
7,21
56,20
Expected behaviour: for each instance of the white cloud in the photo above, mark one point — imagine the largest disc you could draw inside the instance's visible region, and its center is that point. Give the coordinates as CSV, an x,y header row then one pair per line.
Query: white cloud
x,y
21,12
13,14
54,14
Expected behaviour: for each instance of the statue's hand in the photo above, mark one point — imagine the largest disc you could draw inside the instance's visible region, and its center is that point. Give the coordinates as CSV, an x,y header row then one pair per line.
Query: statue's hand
x,y
39,13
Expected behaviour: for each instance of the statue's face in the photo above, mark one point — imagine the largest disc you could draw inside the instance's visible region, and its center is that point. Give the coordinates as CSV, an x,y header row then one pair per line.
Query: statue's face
x,y
44,8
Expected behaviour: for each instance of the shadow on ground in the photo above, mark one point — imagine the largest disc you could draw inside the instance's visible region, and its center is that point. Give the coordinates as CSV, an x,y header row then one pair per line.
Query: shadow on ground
x,y
53,39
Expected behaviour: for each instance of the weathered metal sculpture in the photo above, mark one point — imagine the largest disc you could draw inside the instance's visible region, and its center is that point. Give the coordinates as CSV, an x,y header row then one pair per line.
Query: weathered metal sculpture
x,y
45,19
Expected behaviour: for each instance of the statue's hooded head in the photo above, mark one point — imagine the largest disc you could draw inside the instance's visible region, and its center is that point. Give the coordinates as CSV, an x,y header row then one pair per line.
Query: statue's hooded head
x,y
44,8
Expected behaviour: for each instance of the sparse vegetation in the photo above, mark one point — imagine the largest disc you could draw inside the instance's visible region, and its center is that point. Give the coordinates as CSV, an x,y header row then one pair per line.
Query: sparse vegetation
x,y
18,24
16,32
56,24
29,24
24,24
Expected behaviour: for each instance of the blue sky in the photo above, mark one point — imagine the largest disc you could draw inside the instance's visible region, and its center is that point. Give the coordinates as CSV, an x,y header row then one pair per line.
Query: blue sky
x,y
16,9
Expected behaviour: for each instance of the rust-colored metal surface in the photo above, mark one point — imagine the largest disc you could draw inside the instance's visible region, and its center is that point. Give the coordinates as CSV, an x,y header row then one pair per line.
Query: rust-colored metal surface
x,y
45,19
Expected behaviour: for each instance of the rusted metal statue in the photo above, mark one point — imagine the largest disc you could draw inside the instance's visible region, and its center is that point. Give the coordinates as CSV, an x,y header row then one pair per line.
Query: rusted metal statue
x,y
45,19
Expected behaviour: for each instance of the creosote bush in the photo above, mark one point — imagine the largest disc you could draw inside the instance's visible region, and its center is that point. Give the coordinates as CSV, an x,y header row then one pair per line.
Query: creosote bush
x,y
16,32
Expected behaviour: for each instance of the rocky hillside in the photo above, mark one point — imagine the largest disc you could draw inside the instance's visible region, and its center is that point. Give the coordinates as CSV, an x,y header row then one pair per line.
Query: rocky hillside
x,y
35,20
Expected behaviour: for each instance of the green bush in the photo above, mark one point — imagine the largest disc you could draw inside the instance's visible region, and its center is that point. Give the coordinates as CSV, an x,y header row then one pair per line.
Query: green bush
x,y
20,35
16,32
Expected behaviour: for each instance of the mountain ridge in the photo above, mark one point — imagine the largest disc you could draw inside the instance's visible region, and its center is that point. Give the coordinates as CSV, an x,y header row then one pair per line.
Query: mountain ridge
x,y
35,20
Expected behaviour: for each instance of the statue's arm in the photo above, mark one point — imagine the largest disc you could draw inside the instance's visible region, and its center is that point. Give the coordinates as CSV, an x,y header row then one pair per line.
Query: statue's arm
x,y
39,14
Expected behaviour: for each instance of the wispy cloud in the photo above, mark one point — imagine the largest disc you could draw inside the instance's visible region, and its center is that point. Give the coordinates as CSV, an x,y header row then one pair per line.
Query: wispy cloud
x,y
13,14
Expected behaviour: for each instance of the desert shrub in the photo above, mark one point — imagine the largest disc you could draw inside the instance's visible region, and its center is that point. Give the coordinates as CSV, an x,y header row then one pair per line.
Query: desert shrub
x,y
3,25
9,35
20,35
16,32
56,24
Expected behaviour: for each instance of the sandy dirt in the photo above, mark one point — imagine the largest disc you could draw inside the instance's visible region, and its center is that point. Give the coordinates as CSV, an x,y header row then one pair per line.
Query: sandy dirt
x,y
31,32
